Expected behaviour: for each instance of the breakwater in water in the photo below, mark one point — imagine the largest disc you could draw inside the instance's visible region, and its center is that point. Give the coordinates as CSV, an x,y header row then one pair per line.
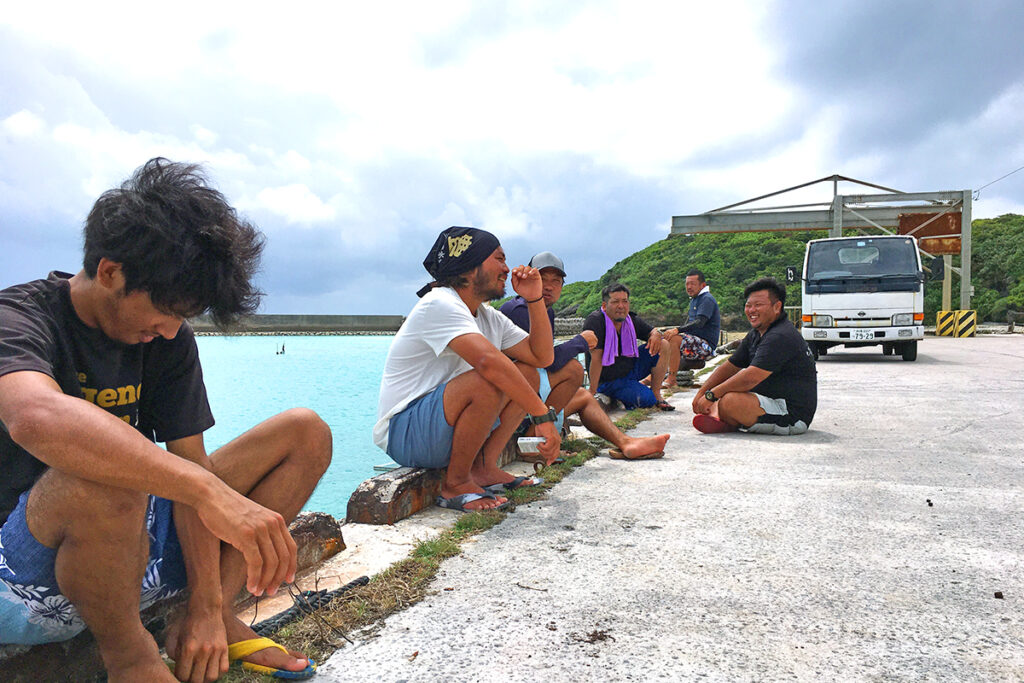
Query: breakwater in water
x,y
304,325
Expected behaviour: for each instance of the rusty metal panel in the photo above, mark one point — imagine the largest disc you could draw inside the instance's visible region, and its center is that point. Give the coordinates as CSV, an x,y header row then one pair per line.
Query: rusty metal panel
x,y
937,246
936,237
944,225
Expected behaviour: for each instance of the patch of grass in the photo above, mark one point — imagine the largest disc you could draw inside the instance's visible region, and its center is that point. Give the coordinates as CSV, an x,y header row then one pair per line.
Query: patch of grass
x,y
633,417
439,548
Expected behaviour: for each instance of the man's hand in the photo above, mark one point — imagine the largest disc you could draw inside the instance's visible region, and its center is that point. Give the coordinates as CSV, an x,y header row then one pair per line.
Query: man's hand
x,y
700,405
654,342
261,535
590,338
552,445
526,282
198,645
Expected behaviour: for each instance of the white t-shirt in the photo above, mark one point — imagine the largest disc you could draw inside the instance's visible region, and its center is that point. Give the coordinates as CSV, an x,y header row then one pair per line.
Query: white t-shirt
x,y
419,360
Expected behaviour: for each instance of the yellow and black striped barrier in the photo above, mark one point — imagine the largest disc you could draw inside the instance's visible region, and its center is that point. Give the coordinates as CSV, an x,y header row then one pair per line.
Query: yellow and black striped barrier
x,y
945,321
966,323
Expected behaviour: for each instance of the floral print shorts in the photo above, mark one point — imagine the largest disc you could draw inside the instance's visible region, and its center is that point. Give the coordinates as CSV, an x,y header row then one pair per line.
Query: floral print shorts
x,y
32,608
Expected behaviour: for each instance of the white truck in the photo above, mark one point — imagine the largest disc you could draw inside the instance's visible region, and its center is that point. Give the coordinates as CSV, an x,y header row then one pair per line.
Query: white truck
x,y
864,291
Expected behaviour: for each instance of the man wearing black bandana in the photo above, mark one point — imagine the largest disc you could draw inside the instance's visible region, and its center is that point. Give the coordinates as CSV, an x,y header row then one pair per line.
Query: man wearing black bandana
x,y
451,395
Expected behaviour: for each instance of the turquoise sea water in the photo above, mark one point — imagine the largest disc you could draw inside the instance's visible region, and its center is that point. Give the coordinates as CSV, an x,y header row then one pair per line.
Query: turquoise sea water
x,y
338,377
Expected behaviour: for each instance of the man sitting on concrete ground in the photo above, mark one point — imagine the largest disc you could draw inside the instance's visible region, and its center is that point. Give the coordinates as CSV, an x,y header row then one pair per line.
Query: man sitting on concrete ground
x,y
618,361
695,342
94,368
769,385
564,390
449,374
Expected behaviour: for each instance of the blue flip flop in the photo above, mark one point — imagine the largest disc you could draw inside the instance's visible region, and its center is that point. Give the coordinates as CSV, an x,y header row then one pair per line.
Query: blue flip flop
x,y
459,502
518,482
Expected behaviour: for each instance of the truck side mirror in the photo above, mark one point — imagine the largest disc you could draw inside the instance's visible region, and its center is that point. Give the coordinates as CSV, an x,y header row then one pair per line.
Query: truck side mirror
x,y
938,268
792,274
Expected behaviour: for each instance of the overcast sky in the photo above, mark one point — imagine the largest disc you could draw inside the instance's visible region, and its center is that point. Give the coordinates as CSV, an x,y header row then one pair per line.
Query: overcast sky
x,y
351,133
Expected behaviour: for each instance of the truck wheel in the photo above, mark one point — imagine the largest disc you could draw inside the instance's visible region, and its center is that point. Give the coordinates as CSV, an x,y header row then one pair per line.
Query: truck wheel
x,y
909,350
822,349
814,349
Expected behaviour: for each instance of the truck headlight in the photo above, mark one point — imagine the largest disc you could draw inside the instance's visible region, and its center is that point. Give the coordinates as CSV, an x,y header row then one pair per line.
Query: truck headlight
x,y
903,319
821,320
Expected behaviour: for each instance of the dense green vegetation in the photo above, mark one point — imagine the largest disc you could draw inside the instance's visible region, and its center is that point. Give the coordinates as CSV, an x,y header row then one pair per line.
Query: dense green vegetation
x,y
655,274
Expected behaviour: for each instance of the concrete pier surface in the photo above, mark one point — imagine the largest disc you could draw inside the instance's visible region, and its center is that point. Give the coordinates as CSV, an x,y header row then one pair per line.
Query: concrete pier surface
x,y
871,548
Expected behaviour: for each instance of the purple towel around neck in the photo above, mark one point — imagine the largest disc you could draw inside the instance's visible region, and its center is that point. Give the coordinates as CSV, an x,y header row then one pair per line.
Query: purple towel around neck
x,y
611,349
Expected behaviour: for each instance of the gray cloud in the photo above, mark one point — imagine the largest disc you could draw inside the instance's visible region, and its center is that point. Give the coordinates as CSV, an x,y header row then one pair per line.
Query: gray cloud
x,y
899,71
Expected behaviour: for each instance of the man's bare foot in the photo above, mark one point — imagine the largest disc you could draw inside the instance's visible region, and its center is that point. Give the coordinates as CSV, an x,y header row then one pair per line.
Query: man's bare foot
x,y
488,476
479,504
641,446
237,631
669,383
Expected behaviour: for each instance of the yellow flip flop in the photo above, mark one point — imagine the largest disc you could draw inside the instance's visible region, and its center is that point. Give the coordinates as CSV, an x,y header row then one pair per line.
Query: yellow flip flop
x,y
244,648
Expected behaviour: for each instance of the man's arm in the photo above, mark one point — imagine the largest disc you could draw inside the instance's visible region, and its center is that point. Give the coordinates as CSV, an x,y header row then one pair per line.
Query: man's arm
x,y
537,349
696,323
654,341
201,638
595,368
566,351
79,438
495,367
726,379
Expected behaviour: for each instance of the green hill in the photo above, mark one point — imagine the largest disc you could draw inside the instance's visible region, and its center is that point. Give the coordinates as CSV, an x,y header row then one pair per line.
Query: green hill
x,y
655,275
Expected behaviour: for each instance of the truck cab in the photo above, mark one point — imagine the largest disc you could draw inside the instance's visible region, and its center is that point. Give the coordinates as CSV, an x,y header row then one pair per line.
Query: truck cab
x,y
863,291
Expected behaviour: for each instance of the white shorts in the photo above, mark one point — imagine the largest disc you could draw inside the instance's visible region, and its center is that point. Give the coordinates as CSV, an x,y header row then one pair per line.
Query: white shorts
x,y
776,419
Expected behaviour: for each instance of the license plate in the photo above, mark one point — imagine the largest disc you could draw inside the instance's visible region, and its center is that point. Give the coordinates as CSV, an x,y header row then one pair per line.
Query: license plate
x,y
863,334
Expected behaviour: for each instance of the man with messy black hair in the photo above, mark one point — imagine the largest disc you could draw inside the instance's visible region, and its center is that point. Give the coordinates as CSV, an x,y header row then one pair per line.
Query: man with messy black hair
x,y
94,368
177,240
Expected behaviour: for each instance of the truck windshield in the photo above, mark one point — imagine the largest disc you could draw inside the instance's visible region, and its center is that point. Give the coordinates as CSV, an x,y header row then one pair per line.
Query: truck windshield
x,y
862,265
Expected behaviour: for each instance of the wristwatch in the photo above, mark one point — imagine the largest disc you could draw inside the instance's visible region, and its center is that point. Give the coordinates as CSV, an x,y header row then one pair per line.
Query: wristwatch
x,y
549,416
710,395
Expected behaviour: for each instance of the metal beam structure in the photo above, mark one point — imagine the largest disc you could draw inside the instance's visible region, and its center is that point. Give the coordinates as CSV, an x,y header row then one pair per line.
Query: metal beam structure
x,y
877,212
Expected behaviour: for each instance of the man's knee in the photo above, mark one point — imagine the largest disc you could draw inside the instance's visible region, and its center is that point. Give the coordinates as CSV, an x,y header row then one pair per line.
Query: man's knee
x,y
740,408
471,388
313,437
61,503
571,372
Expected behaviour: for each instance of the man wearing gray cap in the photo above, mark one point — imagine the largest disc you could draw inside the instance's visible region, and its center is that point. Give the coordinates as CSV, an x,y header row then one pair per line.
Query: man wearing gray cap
x,y
561,382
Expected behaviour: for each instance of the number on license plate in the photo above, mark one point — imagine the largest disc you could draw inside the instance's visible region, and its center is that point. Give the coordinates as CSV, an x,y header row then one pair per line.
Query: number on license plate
x,y
863,334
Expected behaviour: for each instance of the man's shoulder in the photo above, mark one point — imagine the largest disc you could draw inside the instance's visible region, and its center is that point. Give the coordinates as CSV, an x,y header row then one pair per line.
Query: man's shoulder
x,y
784,329
33,303
438,299
35,291
512,304
595,320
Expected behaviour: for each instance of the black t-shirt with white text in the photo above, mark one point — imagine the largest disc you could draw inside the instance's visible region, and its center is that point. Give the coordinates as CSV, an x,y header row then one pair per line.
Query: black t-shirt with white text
x,y
156,387
784,353
623,365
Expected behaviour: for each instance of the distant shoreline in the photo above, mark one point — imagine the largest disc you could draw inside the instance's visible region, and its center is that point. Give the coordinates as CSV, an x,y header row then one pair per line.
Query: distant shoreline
x,y
292,333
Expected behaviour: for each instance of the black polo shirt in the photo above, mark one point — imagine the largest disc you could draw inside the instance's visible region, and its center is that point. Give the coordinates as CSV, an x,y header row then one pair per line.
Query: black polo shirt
x,y
784,353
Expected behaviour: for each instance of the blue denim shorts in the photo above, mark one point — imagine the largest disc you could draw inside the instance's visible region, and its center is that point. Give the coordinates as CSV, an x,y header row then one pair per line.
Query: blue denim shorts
x,y
32,608
419,436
